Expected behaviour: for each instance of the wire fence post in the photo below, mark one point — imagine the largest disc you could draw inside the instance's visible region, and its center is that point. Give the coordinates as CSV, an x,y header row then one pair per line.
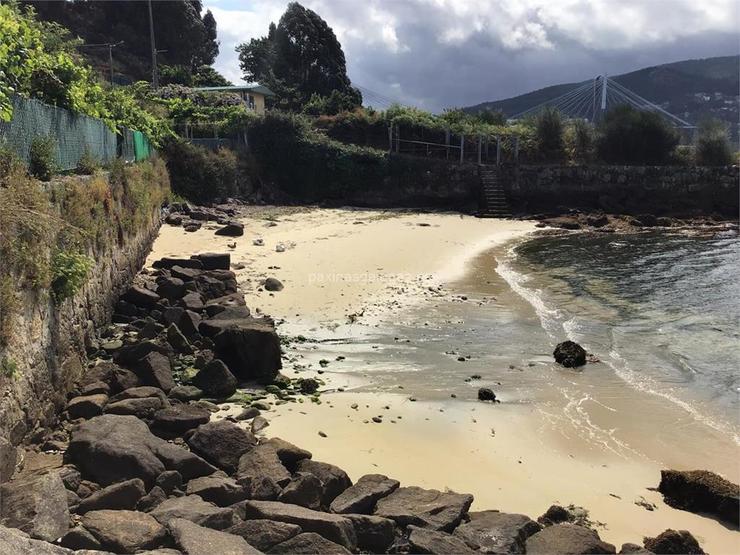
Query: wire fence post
x,y
498,150
390,138
480,149
462,148
447,143
398,139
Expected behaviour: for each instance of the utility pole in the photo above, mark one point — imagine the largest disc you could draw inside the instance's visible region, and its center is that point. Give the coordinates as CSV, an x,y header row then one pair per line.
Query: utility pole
x,y
155,75
604,79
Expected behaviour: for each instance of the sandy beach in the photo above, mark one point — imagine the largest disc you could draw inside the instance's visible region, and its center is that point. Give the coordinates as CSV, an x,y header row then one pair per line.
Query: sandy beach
x,y
346,272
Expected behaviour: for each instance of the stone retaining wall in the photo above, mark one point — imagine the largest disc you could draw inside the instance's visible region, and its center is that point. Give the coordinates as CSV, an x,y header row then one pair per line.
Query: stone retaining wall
x,y
660,190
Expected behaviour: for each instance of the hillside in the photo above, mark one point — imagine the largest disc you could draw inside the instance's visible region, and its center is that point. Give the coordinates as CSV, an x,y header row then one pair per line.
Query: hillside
x,y
691,89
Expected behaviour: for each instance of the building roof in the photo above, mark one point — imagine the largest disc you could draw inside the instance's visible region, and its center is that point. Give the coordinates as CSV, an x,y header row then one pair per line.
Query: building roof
x,y
248,87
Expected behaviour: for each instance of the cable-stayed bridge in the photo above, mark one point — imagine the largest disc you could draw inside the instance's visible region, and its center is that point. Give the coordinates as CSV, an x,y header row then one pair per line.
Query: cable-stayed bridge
x,y
592,99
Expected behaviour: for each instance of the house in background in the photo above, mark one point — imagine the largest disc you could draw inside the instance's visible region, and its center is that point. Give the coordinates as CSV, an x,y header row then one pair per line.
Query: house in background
x,y
253,94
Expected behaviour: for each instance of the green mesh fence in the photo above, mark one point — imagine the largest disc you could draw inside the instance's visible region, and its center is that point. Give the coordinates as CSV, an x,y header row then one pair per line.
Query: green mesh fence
x,y
73,133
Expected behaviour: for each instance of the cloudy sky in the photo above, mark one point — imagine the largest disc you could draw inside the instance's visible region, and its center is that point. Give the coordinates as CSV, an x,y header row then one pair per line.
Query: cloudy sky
x,y
441,53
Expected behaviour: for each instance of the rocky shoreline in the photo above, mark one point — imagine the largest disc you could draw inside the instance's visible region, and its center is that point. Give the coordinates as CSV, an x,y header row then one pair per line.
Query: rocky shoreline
x,y
142,463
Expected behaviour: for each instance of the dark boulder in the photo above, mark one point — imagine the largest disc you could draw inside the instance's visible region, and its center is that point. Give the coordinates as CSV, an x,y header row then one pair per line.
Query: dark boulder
x,y
178,341
214,260
264,534
646,220
334,480
289,454
272,284
308,385
486,394
309,543
217,489
112,448
261,461
304,490
169,481
152,499
79,538
171,288
37,505
431,509
139,407
701,491
140,296
222,443
361,497
674,542
430,541
567,538
194,509
155,370
495,532
174,421
569,354
123,495
193,539
168,263
374,534
216,380
187,321
249,346
86,406
124,531
231,229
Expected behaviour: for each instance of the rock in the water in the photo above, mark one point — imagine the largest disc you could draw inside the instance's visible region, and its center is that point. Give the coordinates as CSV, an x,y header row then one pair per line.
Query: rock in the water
x,y
486,394
249,346
155,370
374,533
333,527
334,480
175,421
289,454
261,461
123,495
36,505
495,532
216,380
222,443
674,542
220,490
431,541
566,538
569,354
427,508
193,539
15,542
264,534
232,229
361,497
124,531
112,448
701,491
309,543
194,509
272,284
304,490
86,406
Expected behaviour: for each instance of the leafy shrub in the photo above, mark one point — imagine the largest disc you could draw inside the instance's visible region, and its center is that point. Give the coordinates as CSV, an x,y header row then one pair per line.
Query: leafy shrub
x,y
331,105
87,164
69,273
713,144
8,367
549,130
635,137
580,141
42,162
199,174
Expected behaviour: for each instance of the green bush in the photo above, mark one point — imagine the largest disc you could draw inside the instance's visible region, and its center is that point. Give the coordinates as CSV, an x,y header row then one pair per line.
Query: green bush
x,y
549,132
713,144
87,164
69,273
8,367
201,175
42,162
635,137
580,141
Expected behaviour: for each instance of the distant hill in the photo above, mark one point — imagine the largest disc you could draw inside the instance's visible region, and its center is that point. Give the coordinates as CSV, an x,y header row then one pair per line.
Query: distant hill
x,y
690,89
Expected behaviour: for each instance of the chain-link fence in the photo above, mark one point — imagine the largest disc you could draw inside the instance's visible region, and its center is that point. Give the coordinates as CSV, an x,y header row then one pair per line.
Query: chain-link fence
x,y
74,135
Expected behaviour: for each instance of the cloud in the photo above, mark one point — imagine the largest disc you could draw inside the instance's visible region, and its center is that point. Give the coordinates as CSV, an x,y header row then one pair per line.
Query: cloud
x,y
440,53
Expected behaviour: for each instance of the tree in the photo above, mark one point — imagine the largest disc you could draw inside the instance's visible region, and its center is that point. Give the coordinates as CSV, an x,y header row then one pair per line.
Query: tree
x,y
713,144
206,76
549,132
298,58
630,136
209,49
579,137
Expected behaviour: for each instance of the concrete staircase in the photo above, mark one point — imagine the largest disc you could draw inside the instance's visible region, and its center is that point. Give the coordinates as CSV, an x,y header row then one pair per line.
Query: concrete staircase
x,y
493,199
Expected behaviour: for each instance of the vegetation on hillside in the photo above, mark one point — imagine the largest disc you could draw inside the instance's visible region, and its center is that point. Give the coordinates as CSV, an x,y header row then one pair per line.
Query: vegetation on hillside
x,y
301,61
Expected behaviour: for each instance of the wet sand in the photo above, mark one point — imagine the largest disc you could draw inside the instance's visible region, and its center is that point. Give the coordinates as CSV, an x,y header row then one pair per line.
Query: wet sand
x,y
515,457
